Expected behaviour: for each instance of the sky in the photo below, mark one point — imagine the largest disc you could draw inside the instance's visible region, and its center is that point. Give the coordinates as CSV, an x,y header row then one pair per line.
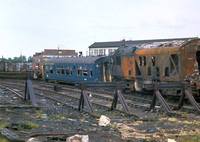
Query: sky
x,y
29,26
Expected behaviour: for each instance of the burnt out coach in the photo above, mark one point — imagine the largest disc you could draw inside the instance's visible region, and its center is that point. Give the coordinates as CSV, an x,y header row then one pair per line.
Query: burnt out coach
x,y
77,69
161,61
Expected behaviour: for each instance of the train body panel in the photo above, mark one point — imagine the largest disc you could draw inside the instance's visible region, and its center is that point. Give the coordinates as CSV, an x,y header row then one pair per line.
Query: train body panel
x,y
165,61
77,69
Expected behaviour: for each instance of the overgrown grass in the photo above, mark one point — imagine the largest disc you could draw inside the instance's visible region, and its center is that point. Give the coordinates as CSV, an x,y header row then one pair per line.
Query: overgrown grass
x,y
3,125
196,138
28,125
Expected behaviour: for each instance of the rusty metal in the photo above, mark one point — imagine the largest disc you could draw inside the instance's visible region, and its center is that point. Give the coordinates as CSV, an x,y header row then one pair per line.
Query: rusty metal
x,y
108,85
118,95
157,94
13,91
169,60
29,92
117,86
84,98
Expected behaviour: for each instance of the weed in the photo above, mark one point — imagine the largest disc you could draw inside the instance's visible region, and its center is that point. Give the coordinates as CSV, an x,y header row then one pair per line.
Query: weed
x,y
3,125
3,140
196,138
28,125
185,115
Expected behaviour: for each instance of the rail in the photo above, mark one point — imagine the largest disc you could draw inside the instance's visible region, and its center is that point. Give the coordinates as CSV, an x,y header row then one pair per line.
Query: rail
x,y
185,87
118,95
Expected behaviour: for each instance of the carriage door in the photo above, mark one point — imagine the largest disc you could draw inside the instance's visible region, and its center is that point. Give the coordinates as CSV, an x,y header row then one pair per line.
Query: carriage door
x,y
106,73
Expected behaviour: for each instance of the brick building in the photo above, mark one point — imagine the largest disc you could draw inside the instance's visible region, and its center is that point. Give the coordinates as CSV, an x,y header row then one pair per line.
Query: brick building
x,y
39,58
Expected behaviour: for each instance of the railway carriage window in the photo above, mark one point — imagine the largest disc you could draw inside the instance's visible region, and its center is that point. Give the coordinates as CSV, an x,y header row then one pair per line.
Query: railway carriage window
x,y
149,71
174,64
62,70
129,72
51,69
144,61
153,59
140,61
79,70
91,72
167,71
74,70
67,70
47,69
137,69
118,60
85,73
157,71
70,70
58,69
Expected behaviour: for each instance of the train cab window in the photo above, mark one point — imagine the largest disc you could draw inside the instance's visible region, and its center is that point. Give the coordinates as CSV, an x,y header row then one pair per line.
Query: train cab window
x,y
85,73
167,71
47,69
70,70
174,64
153,59
58,69
67,70
149,71
140,61
91,72
157,71
51,69
144,61
62,70
79,70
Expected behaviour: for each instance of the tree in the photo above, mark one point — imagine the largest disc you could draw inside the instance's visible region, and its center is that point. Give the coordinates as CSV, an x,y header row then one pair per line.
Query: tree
x,y
30,59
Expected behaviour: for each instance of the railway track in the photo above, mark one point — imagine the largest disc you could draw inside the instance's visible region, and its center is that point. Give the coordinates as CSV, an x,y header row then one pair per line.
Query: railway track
x,y
69,96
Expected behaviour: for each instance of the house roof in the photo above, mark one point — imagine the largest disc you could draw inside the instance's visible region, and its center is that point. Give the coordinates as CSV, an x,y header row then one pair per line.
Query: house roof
x,y
133,42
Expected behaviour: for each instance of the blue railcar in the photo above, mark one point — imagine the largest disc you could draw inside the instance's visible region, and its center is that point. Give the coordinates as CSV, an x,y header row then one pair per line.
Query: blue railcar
x,y
77,69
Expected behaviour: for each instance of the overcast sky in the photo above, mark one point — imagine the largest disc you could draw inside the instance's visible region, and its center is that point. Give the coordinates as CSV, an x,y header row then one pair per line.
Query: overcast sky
x,y
29,26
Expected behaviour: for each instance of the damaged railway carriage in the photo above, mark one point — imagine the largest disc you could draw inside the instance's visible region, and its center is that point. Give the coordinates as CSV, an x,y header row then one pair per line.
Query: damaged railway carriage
x,y
165,61
77,69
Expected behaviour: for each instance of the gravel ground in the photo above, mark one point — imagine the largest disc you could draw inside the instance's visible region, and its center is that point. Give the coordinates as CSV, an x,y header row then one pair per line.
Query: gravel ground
x,y
57,123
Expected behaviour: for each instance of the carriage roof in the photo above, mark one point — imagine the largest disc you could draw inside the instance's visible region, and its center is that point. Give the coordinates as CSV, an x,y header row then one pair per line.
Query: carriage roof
x,y
87,60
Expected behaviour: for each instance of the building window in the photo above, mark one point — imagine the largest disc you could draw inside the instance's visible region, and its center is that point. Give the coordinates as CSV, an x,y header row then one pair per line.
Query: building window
x,y
95,52
91,52
100,51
